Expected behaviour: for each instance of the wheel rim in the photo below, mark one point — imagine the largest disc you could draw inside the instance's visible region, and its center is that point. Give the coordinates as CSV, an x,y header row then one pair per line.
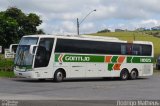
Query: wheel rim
x,y
124,76
133,74
59,76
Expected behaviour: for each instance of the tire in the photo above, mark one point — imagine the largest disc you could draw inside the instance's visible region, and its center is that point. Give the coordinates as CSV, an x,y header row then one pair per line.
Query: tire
x,y
133,74
58,76
124,75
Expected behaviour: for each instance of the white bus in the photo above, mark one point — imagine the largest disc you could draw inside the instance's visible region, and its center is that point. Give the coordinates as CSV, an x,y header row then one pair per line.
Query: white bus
x,y
59,57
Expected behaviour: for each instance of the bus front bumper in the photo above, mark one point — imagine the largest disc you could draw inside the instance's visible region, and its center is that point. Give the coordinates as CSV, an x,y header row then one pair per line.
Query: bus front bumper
x,y
26,74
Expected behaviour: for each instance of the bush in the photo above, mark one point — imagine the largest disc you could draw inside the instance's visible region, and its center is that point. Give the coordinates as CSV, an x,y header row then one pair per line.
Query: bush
x,y
8,74
103,31
6,64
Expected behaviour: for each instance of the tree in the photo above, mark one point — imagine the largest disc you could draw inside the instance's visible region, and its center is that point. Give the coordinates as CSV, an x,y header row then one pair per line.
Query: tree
x,y
14,24
8,30
104,30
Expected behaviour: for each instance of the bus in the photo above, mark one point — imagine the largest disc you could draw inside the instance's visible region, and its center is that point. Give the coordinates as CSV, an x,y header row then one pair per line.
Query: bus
x,y
60,57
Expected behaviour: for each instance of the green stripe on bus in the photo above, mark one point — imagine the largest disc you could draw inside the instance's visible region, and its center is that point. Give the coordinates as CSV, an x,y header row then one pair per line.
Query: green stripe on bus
x,y
110,67
95,58
139,60
82,58
79,58
25,67
136,60
56,57
114,59
129,59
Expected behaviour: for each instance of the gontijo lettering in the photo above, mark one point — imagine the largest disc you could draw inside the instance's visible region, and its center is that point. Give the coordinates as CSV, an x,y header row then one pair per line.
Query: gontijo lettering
x,y
77,58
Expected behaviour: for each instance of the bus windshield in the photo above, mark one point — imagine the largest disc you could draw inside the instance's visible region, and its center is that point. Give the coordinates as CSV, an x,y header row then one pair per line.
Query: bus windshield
x,y
23,57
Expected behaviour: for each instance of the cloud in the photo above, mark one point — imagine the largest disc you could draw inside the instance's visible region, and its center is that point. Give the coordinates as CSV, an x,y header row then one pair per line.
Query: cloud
x,y
149,23
69,26
87,27
61,15
3,4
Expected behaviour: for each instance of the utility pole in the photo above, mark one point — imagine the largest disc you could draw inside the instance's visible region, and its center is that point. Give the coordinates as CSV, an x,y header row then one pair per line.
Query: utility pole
x,y
78,23
77,26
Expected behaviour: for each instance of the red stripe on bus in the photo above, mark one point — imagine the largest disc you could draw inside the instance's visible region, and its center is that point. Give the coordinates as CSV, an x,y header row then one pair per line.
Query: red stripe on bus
x,y
121,59
116,66
108,59
61,58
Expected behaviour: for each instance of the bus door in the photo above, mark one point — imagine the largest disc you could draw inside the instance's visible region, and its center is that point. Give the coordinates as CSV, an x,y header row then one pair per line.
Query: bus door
x,y
42,58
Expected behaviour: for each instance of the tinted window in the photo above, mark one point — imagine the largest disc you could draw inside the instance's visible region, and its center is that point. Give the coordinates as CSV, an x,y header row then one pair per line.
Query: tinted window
x,y
146,50
136,49
97,47
87,47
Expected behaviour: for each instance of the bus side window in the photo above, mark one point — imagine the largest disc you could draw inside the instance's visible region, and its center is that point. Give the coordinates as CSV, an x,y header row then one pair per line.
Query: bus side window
x,y
129,49
146,50
123,49
136,49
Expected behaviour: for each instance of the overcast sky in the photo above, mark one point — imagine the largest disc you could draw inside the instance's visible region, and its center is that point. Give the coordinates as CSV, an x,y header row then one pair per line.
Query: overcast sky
x,y
59,16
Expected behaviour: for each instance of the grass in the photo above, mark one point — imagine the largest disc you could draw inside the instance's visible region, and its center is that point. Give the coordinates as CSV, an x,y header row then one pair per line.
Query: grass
x,y
139,36
8,74
6,66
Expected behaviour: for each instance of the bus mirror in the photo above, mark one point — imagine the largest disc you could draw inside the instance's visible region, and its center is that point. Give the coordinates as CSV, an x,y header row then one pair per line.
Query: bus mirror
x,y
13,48
33,49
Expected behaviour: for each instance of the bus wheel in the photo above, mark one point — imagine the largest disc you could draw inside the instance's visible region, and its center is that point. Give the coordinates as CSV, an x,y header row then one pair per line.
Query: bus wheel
x,y
124,74
58,76
133,74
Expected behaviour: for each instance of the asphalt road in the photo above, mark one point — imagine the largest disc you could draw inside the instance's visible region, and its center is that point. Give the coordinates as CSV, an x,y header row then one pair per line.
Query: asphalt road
x,y
81,89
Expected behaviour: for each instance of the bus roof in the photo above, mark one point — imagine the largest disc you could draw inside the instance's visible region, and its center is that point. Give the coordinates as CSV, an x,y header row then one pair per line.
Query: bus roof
x,y
90,37
85,37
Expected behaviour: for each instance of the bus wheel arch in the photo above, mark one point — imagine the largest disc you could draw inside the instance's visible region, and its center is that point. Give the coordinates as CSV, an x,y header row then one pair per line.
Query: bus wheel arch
x,y
134,74
124,74
59,75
